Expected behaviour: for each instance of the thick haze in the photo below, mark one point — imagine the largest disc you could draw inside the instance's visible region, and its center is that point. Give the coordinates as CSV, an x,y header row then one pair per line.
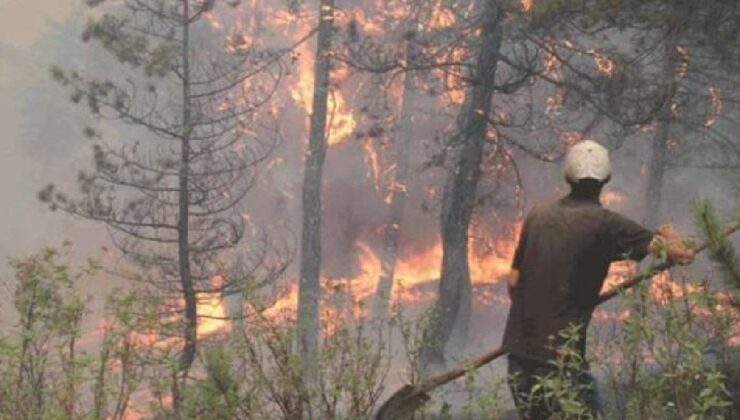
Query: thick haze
x,y
27,162
43,142
42,139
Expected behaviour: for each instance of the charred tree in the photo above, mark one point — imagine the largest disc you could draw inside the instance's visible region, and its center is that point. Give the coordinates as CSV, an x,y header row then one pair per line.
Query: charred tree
x,y
399,187
687,52
170,190
310,269
657,165
466,152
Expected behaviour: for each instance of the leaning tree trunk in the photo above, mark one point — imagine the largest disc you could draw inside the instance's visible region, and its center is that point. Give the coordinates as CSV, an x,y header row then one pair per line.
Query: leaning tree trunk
x,y
460,189
391,231
309,287
183,241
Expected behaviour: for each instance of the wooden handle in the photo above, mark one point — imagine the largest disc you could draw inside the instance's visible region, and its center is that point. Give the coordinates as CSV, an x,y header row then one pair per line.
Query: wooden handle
x,y
460,370
728,230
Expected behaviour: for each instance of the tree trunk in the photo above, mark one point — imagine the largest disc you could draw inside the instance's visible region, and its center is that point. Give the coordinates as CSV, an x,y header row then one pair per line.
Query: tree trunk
x,y
657,164
662,131
460,189
391,231
183,241
309,286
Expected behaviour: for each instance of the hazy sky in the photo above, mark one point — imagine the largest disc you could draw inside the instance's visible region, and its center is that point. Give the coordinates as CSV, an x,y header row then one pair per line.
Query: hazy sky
x,y
24,223
27,163
22,21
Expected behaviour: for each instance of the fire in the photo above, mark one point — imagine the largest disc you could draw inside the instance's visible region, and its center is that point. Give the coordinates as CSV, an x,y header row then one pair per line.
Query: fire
x,y
441,18
682,67
716,107
619,272
455,88
604,64
411,271
600,315
554,103
663,289
399,12
610,198
213,20
526,5
551,65
569,138
368,25
373,161
395,187
341,123
212,312
212,319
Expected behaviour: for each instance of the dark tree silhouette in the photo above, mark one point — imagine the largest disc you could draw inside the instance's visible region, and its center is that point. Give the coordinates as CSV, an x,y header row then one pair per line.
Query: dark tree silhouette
x,y
310,269
170,191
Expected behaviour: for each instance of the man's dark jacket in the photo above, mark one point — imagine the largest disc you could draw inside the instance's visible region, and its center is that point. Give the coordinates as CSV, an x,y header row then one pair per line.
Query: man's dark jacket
x,y
563,257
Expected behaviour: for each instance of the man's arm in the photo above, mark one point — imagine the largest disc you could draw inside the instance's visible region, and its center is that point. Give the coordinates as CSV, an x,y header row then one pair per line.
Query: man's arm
x,y
632,240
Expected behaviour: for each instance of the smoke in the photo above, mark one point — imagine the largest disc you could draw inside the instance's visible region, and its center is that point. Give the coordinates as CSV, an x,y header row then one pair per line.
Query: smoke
x,y
44,142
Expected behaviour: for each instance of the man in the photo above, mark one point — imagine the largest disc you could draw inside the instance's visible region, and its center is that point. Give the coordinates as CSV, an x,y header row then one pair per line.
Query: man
x,y
558,270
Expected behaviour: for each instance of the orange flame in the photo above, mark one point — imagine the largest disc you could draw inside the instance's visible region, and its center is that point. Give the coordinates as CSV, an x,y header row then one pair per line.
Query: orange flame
x,y
212,312
412,271
683,62
716,107
373,160
212,319
341,122
610,198
604,64
441,18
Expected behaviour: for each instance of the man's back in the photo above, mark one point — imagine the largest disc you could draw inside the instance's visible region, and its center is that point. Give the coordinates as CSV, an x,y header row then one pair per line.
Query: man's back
x,y
563,258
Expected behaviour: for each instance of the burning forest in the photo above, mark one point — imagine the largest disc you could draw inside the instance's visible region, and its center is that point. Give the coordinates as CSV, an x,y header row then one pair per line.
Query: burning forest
x,y
386,209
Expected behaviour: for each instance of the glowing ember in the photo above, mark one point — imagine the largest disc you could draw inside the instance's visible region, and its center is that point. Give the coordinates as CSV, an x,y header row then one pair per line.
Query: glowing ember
x,y
213,20
554,103
600,315
454,86
368,25
663,289
373,161
551,65
441,18
569,138
604,64
610,198
683,62
716,107
619,272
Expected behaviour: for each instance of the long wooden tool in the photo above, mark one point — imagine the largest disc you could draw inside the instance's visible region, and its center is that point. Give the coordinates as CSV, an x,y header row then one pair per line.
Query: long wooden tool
x,y
404,402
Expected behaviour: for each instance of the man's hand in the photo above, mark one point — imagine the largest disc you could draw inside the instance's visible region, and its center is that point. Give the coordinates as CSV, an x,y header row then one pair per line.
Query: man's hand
x,y
676,247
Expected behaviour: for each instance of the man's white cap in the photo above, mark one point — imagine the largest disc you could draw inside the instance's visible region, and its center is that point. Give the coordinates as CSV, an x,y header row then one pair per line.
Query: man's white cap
x,y
587,159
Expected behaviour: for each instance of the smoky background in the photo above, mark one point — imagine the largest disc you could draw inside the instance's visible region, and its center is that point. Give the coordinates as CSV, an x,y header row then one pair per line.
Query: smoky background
x,y
43,141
